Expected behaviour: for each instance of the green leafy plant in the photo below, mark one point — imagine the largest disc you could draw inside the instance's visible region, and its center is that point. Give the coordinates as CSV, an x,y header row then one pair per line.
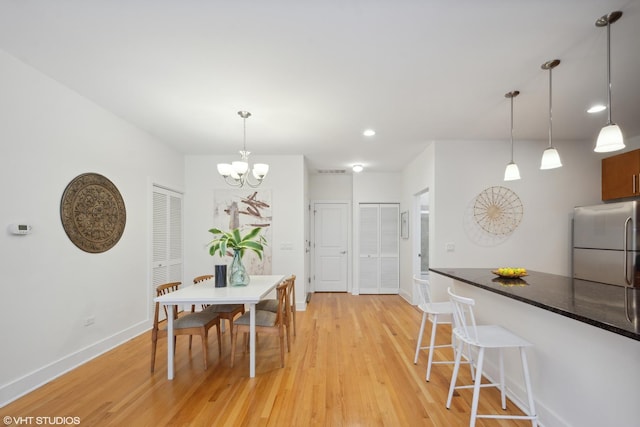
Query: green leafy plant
x,y
234,240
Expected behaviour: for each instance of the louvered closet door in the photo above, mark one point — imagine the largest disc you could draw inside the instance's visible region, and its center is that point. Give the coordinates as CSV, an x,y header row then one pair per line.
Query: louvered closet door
x,y
378,249
389,249
368,271
166,265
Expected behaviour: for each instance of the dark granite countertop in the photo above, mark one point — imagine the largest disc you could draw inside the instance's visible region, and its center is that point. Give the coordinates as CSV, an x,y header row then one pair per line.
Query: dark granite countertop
x,y
597,304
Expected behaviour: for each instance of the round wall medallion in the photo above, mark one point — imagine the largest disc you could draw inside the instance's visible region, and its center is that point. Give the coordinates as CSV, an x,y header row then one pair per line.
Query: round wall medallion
x,y
93,213
498,210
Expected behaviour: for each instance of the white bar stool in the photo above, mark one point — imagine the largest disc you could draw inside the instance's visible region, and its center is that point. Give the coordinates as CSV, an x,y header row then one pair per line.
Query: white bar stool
x,y
433,310
483,337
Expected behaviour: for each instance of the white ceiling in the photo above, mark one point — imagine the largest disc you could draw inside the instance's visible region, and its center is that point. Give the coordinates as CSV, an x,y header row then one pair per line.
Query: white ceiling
x,y
314,75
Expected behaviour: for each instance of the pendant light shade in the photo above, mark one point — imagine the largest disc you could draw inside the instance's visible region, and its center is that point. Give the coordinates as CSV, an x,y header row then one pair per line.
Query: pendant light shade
x,y
610,137
550,156
512,173
550,159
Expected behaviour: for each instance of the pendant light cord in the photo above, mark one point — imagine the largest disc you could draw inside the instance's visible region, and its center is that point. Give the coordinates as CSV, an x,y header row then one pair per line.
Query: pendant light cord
x,y
511,129
609,72
244,134
550,107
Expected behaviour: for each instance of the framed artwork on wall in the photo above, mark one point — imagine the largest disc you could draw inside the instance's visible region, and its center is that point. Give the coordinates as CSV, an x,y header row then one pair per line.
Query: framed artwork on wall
x,y
245,209
404,225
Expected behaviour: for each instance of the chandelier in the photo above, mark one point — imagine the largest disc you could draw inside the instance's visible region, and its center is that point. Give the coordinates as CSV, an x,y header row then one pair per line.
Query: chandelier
x,y
237,174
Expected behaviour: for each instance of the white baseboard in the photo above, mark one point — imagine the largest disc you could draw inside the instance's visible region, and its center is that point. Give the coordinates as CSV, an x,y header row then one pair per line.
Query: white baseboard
x,y
26,384
406,296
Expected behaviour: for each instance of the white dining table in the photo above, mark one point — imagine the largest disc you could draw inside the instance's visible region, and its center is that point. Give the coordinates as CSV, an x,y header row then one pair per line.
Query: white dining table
x,y
206,293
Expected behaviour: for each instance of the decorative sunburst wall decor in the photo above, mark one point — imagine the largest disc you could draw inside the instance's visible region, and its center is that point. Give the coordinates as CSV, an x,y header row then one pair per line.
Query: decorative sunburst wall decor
x,y
498,210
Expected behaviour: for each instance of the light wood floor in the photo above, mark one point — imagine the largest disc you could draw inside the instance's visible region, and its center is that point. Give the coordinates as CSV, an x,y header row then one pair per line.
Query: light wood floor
x,y
351,364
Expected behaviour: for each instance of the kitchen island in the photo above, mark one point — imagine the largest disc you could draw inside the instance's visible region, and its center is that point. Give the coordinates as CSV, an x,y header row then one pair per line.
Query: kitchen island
x,y
585,357
597,304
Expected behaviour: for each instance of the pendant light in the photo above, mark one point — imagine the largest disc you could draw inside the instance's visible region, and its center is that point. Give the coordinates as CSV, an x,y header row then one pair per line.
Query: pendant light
x,y
550,156
610,137
512,173
236,174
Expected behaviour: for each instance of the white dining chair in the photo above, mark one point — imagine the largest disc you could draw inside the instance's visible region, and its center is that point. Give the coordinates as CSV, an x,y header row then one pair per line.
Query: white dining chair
x,y
483,337
437,313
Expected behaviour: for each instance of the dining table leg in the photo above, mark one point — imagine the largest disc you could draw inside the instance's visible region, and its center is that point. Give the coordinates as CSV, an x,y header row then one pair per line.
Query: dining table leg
x,y
170,343
252,340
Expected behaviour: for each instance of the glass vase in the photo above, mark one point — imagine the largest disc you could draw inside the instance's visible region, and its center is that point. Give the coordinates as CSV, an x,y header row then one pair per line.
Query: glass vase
x,y
238,275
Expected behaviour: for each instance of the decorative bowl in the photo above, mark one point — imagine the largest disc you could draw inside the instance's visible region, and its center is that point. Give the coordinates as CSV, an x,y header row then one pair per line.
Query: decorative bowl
x,y
510,274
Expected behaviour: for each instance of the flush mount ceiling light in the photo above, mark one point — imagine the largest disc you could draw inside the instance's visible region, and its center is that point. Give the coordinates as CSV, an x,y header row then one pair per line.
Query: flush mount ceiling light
x,y
369,132
610,137
550,156
236,174
511,173
596,108
357,168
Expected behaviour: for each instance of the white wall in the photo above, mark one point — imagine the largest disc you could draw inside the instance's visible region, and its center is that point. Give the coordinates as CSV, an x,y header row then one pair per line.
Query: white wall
x,y
286,182
49,135
330,187
306,191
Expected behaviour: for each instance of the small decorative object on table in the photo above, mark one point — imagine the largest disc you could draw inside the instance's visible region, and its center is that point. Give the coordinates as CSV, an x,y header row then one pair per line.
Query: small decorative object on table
x,y
510,272
221,275
238,275
232,243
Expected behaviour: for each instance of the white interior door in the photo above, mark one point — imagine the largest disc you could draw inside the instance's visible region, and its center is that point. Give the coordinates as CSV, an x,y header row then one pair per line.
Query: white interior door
x,y
331,226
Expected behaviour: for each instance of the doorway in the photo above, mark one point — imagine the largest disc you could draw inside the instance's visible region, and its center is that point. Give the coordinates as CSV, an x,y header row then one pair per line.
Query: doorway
x,y
421,235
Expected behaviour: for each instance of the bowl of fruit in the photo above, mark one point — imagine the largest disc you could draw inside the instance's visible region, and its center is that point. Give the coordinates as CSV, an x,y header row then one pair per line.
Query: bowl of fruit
x,y
510,272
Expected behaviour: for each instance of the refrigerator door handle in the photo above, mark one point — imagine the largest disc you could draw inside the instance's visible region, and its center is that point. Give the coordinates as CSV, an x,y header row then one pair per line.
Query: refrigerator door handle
x,y
626,233
626,278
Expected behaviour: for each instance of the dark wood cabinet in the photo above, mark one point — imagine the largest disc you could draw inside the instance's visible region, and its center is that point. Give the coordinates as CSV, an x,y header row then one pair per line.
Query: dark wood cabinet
x,y
621,176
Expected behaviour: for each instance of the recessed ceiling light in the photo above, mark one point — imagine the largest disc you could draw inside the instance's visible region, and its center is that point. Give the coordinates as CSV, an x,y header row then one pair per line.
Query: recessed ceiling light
x,y
369,132
357,168
597,108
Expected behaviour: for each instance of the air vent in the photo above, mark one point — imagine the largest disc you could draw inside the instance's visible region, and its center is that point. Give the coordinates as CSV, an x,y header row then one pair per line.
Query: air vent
x,y
332,171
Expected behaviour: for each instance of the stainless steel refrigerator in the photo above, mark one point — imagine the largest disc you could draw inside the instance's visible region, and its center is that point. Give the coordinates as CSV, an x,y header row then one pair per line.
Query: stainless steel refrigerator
x,y
606,243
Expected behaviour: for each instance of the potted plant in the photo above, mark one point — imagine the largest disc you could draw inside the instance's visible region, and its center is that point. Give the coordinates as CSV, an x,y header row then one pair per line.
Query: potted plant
x,y
233,243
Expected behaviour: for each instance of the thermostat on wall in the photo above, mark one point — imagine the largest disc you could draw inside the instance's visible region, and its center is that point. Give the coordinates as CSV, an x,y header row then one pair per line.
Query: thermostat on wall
x,y
20,228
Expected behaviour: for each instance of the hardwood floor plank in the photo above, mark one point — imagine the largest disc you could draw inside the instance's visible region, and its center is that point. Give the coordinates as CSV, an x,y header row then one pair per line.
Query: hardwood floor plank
x,y
351,364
